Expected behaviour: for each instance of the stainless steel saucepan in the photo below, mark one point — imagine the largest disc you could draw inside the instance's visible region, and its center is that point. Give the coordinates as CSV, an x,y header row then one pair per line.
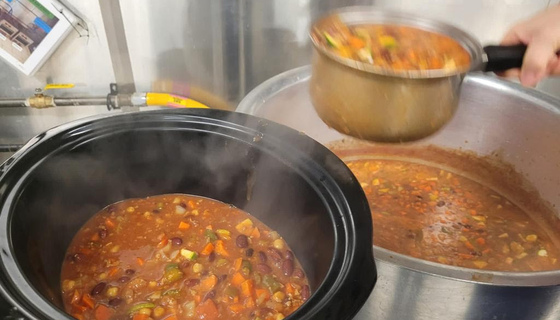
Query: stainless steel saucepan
x,y
383,105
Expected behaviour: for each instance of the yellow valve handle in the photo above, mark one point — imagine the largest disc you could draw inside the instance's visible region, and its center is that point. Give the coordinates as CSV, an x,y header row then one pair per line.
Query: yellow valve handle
x,y
170,100
58,86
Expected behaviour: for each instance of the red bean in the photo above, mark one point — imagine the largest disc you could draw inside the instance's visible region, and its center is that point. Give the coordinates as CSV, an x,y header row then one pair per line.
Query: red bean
x,y
274,254
182,204
288,267
242,241
102,233
262,257
210,295
176,241
192,282
98,288
212,256
222,278
263,268
249,252
129,272
289,255
115,302
305,293
298,273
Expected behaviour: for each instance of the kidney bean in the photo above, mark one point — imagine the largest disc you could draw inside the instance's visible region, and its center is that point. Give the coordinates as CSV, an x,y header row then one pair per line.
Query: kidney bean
x,y
289,255
102,233
129,272
210,295
305,293
242,241
262,257
184,265
298,273
123,279
288,267
212,256
249,252
115,302
263,268
274,254
192,282
156,211
184,205
221,278
98,288
176,241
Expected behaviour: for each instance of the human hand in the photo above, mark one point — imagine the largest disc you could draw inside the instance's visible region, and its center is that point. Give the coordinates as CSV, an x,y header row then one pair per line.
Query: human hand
x,y
541,34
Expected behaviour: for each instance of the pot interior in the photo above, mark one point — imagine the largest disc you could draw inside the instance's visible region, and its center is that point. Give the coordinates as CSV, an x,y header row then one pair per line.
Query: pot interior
x,y
63,190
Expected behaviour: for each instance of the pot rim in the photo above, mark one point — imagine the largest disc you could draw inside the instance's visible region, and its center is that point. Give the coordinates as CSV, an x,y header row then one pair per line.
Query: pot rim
x,y
341,194
356,15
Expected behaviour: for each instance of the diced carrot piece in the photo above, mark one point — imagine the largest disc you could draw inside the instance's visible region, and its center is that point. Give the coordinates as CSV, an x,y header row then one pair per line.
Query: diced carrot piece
x,y
88,301
220,248
472,212
191,204
249,303
75,297
236,307
208,283
356,42
197,299
289,289
78,316
262,293
109,223
172,317
140,261
256,233
79,307
102,312
237,264
207,249
183,225
113,271
163,242
95,237
140,316
207,310
469,245
248,288
237,279
481,241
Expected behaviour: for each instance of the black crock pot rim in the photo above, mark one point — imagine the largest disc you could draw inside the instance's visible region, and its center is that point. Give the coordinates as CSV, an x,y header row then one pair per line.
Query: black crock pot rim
x,y
357,260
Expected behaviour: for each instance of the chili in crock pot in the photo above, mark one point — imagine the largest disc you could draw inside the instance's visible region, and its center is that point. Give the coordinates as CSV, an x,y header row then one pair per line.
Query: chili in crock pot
x,y
180,257
396,47
437,215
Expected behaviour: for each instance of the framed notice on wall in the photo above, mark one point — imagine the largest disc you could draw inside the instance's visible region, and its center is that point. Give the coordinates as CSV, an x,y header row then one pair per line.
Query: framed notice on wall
x,y
30,31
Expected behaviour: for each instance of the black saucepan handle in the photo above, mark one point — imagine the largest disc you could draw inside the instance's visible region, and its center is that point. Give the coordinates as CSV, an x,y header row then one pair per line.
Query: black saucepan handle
x,y
502,58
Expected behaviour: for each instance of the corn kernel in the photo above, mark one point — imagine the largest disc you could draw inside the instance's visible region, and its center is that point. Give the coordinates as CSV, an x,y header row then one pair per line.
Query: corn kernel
x,y
130,209
112,292
159,311
197,268
278,244
531,238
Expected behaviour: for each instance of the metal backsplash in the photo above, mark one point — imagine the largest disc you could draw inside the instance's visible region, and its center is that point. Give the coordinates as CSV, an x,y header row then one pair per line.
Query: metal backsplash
x,y
217,48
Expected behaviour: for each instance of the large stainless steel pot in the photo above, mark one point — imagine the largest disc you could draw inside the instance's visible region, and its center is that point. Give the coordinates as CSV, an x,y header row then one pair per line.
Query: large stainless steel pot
x,y
379,104
495,118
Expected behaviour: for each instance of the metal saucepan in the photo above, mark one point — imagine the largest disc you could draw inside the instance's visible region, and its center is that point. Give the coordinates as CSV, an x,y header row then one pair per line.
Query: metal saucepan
x,y
383,105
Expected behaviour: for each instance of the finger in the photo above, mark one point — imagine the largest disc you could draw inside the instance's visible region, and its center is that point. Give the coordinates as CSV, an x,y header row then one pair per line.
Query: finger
x,y
511,38
540,52
511,73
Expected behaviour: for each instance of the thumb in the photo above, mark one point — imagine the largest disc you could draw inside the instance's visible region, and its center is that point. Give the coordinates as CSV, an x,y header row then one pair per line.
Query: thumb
x,y
540,53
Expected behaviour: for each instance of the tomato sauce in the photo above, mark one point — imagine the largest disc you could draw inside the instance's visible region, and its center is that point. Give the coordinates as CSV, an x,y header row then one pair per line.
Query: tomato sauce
x,y
396,47
180,257
437,215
